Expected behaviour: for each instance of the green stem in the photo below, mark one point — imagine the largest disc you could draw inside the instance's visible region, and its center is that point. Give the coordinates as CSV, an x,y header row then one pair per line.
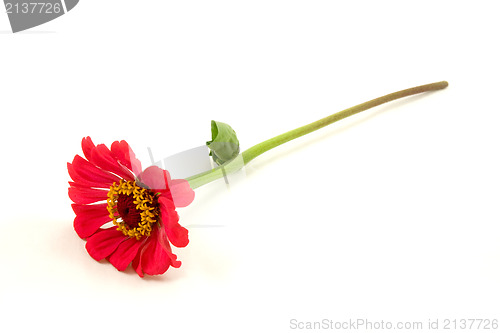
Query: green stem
x,y
258,149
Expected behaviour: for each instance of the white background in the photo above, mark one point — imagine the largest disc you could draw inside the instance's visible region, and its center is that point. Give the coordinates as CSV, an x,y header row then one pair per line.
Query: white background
x,y
389,215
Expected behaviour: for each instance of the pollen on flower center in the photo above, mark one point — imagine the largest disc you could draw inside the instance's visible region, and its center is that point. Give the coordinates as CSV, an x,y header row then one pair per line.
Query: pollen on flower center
x,y
133,209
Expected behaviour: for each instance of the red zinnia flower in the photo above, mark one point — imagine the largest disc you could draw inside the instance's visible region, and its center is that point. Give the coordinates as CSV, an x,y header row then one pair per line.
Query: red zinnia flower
x,y
110,186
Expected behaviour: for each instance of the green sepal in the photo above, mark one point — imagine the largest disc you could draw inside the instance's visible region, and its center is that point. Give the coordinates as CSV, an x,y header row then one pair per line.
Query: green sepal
x,y
224,145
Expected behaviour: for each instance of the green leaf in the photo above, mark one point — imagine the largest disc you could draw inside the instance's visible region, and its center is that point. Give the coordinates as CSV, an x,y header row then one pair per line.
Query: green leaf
x,y
224,145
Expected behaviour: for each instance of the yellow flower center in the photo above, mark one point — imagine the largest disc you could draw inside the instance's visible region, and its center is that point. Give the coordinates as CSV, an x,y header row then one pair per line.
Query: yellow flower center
x,y
133,209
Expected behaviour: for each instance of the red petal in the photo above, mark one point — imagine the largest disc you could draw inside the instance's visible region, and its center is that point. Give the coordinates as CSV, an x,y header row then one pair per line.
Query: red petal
x,y
159,180
153,258
167,205
182,193
137,265
176,234
98,209
155,178
79,185
81,195
102,157
79,181
87,147
125,253
85,172
86,227
125,155
104,242
173,260
90,218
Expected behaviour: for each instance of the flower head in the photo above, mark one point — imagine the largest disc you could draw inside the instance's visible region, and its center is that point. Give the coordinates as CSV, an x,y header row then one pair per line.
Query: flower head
x,y
109,185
